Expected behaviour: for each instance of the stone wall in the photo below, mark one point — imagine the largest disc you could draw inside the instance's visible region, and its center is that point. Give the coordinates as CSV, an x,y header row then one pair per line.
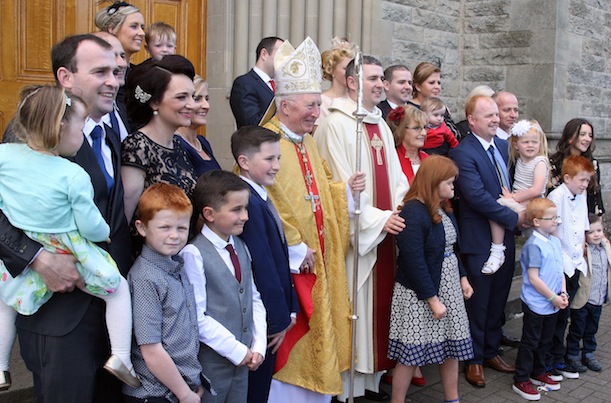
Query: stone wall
x,y
555,55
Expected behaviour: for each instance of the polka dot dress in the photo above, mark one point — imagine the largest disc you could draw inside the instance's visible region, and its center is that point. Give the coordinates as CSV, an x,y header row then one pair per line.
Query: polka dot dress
x,y
415,337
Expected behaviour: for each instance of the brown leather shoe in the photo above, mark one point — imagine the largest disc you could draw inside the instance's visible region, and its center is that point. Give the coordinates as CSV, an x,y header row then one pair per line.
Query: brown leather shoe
x,y
475,375
498,364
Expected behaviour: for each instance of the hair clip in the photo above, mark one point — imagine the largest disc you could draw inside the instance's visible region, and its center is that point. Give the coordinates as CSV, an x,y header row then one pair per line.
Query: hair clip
x,y
116,6
67,100
342,43
520,128
396,115
141,95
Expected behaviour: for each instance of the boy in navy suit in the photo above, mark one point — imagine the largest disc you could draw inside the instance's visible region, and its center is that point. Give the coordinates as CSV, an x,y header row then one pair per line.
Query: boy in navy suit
x,y
257,153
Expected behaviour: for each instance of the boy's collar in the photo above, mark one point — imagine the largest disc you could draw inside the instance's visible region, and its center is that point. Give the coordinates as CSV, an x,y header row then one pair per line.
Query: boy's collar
x,y
215,239
540,235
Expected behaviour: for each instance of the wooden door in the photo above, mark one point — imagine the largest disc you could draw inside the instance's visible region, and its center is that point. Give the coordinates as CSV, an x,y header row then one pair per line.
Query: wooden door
x,y
30,28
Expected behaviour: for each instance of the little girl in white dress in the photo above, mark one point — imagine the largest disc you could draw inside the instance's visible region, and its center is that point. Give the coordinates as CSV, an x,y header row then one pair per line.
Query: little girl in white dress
x,y
528,151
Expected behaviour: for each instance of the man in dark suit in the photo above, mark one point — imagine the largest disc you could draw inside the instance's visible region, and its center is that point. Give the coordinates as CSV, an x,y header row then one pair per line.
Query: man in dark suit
x,y
257,153
252,92
398,88
479,185
65,344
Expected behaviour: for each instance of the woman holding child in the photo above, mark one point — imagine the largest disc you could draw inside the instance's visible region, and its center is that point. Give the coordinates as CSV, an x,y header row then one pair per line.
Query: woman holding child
x,y
159,101
429,323
427,83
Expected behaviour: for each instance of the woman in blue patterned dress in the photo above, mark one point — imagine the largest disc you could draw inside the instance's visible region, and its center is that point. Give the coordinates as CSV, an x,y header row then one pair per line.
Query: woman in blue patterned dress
x,y
429,323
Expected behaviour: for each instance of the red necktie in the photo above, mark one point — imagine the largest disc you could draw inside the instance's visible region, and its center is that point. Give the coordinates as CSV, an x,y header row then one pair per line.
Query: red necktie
x,y
235,262
273,84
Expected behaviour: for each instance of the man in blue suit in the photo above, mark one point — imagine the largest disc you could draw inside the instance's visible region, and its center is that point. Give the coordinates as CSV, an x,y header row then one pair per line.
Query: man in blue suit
x,y
257,153
252,92
479,185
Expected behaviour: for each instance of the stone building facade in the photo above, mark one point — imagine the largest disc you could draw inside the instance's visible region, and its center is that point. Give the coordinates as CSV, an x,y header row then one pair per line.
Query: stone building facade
x,y
555,55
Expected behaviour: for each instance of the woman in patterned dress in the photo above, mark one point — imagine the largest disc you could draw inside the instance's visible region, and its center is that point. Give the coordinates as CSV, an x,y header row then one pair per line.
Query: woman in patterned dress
x,y
159,100
429,323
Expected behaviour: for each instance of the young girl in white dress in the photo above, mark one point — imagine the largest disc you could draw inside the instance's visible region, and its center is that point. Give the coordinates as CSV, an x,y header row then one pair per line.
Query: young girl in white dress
x,y
51,200
528,152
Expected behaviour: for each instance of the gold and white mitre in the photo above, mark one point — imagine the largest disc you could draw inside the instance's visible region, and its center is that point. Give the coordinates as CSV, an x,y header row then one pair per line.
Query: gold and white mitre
x,y
296,71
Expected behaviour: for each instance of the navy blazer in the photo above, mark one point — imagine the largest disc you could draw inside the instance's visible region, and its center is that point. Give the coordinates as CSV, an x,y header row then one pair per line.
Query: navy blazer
x,y
478,188
385,108
421,251
249,99
270,264
64,311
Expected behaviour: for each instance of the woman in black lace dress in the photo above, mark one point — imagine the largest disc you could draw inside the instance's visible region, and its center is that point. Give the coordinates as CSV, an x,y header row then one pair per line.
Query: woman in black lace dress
x,y
159,100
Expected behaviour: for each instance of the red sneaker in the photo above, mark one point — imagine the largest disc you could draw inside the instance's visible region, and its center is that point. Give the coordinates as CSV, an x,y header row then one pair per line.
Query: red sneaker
x,y
545,381
526,390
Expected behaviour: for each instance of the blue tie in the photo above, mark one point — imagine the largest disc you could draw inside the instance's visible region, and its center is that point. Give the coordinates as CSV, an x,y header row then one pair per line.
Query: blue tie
x,y
114,123
501,169
96,137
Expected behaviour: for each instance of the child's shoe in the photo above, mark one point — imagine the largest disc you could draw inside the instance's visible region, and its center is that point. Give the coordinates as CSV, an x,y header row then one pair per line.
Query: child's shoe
x,y
545,381
5,380
554,374
575,366
592,364
495,260
566,372
526,390
115,366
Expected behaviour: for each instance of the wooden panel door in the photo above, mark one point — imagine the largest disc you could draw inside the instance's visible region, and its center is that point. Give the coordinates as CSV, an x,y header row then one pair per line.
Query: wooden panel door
x,y
30,28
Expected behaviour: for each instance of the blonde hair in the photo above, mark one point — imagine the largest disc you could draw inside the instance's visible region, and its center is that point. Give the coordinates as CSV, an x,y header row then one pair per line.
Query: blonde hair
x,y
111,18
200,84
513,141
401,116
40,113
331,58
161,31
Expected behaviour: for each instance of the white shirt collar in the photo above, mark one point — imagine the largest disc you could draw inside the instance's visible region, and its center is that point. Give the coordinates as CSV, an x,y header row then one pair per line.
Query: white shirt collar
x,y
258,188
296,137
485,144
264,76
392,104
540,236
216,240
89,125
502,134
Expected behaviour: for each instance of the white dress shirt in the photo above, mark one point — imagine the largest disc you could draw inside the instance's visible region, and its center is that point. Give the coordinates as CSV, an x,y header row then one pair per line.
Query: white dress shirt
x,y
211,332
573,212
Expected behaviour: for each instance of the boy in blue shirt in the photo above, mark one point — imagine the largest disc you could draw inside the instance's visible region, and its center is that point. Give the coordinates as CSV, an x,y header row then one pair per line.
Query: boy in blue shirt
x,y
165,346
543,295
257,153
231,315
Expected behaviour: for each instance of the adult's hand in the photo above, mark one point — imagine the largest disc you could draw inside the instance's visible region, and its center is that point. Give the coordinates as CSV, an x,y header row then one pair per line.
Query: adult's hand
x,y
57,271
308,262
357,182
395,223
